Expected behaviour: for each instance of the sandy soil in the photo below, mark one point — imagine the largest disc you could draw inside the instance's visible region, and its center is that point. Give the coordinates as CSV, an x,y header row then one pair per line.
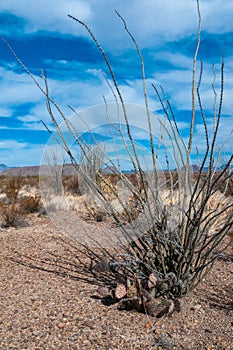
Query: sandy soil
x,y
45,305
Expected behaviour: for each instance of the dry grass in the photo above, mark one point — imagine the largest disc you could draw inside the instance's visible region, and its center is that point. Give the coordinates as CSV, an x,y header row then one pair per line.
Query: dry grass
x,y
19,197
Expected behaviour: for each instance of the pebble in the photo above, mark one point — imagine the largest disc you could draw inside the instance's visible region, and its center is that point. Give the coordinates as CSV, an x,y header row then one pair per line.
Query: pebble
x,y
61,325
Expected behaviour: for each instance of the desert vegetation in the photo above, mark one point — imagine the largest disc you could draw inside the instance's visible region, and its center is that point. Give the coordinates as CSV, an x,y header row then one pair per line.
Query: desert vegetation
x,y
19,196
172,224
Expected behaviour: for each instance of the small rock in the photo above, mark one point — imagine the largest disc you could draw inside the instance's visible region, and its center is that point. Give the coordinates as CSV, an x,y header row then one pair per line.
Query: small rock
x,y
157,307
61,325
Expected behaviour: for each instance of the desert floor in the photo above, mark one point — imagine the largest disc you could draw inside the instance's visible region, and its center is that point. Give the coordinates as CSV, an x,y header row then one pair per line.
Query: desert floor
x,y
44,305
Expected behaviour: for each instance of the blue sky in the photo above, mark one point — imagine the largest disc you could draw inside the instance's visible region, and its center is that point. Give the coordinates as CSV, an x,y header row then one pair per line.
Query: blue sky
x,y
45,38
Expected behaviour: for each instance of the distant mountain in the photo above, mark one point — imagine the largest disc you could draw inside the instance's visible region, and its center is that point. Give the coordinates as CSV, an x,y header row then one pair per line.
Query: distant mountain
x,y
193,167
22,171
3,167
68,169
110,170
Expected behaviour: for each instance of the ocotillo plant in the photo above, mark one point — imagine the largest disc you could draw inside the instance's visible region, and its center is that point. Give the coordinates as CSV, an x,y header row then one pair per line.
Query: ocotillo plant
x,y
175,236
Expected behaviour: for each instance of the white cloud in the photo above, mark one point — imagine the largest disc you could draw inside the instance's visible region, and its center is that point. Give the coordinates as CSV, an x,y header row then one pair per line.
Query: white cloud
x,y
152,22
46,15
156,21
28,118
183,125
177,59
5,112
16,89
85,94
21,154
217,15
12,144
224,137
177,84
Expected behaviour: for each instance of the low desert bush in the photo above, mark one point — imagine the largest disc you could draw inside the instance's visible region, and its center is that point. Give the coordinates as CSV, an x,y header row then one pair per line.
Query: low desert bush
x,y
11,187
11,214
94,212
71,184
14,206
32,181
30,204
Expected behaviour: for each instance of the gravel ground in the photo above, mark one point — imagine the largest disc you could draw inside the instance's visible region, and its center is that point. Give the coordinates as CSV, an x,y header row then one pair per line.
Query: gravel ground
x,y
45,305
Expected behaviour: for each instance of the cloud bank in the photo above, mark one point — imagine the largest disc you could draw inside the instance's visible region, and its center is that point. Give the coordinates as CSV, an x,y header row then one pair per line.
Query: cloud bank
x,y
44,37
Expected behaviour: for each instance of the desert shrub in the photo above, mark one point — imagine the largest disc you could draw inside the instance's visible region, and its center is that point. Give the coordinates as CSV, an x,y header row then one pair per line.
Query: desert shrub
x,y
182,234
172,237
2,181
32,181
14,206
10,211
225,188
11,214
94,212
71,184
113,179
107,187
30,204
12,187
